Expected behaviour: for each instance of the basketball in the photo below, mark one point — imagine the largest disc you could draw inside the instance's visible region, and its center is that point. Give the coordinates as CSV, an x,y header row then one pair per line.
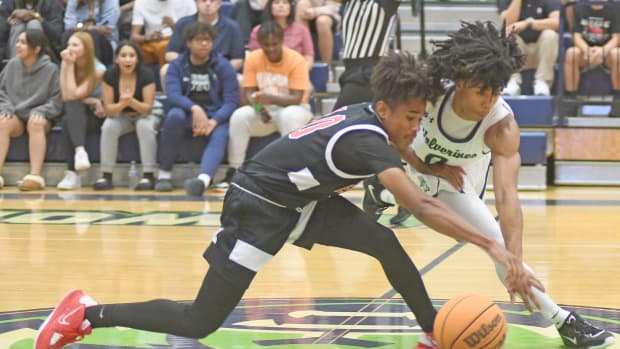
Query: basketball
x,y
470,321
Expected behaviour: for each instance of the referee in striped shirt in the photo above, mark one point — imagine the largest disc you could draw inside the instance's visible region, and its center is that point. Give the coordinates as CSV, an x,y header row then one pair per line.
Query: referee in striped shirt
x,y
366,28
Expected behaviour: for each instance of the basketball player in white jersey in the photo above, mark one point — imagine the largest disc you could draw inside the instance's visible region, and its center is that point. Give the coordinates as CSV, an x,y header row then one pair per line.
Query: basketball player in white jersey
x,y
450,156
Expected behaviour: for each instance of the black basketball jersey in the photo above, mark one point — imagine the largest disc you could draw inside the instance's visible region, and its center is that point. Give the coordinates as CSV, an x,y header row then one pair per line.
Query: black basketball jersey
x,y
323,158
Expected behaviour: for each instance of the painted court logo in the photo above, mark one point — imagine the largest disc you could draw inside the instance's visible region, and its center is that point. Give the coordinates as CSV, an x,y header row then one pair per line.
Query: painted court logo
x,y
305,323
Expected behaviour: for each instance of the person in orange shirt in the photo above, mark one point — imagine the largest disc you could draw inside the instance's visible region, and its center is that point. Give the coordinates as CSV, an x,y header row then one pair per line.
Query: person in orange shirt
x,y
275,93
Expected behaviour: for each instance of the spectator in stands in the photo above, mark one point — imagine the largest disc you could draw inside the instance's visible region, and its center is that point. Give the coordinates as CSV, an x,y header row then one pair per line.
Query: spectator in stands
x,y
321,17
366,28
152,24
275,91
80,88
202,92
296,36
29,101
596,36
228,33
128,94
99,18
17,15
248,13
536,24
124,20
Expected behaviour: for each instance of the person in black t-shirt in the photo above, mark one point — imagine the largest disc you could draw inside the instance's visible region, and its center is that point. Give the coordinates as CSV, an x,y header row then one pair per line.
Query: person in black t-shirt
x,y
289,192
128,95
596,36
536,24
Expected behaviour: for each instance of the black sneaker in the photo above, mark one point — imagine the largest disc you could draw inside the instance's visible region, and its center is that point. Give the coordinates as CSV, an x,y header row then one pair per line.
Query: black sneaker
x,y
372,203
401,216
578,333
194,187
103,184
145,184
163,185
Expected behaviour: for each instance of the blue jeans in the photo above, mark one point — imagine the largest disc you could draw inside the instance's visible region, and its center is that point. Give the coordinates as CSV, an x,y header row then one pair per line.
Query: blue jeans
x,y
177,128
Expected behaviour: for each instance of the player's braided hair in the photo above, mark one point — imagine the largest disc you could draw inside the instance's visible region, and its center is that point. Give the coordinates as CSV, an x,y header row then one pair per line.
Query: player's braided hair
x,y
477,52
397,77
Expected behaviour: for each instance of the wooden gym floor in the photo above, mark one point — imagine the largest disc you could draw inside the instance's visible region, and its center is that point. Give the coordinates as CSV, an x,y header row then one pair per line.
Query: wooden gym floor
x,y
121,247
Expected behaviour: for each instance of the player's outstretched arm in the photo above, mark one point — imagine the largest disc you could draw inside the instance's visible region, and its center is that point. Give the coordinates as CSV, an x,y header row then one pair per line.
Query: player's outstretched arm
x,y
441,218
503,139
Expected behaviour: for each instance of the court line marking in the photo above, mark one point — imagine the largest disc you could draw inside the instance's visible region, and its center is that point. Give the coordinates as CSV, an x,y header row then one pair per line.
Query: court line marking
x,y
385,298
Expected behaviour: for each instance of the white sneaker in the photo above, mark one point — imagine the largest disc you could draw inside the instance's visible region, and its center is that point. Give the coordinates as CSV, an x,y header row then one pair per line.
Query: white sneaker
x,y
70,182
541,88
81,161
512,88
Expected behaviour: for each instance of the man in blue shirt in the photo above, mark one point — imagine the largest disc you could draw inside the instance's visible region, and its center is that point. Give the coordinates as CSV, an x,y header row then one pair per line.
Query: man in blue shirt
x,y
227,42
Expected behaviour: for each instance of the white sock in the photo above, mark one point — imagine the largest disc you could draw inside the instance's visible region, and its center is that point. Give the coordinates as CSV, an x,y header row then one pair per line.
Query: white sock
x,y
387,197
205,178
559,317
164,174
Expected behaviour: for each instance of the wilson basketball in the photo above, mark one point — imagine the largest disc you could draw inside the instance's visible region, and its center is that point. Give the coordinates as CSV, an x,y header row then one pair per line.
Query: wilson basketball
x,y
470,321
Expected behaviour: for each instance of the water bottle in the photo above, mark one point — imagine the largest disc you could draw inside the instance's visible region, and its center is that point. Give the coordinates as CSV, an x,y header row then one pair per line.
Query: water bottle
x,y
133,175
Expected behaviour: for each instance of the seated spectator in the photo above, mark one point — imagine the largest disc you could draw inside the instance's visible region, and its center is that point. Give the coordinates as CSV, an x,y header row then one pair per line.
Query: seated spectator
x,y
80,88
99,18
248,13
18,15
29,101
596,36
202,93
536,23
275,89
321,17
296,36
227,42
152,24
128,95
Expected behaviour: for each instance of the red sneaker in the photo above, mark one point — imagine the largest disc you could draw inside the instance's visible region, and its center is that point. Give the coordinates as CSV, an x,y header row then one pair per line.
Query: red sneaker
x,y
427,341
66,324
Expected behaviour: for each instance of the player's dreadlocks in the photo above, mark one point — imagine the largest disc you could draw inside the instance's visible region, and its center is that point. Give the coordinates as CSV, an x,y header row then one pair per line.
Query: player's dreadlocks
x,y
397,77
477,52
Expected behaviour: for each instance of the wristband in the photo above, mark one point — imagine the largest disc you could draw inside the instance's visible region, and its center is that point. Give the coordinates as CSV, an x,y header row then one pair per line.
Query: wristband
x,y
530,22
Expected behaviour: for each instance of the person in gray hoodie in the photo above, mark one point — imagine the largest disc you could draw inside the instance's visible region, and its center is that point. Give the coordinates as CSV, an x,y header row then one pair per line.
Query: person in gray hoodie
x,y
29,101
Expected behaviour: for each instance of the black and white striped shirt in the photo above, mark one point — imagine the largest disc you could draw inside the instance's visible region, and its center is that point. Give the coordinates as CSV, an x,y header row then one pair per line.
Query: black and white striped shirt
x,y
366,27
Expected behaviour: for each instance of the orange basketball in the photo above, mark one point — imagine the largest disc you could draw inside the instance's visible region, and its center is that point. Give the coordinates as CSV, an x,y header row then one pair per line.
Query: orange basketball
x,y
470,321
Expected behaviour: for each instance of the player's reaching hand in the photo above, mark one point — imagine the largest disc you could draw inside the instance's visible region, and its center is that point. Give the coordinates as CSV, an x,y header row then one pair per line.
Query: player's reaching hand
x,y
453,174
518,280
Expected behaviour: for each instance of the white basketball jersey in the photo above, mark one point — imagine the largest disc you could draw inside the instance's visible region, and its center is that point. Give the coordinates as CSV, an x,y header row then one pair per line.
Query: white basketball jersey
x,y
444,137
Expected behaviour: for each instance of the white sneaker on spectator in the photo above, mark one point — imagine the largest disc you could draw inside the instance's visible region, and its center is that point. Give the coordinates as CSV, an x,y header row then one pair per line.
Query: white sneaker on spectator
x,y
541,88
70,182
512,88
81,161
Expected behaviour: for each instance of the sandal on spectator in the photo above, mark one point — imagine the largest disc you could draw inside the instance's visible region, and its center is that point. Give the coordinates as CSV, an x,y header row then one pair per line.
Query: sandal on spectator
x,y
31,183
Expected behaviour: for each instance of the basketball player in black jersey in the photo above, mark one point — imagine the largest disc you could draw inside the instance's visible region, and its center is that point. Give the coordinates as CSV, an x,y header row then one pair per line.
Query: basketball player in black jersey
x,y
289,192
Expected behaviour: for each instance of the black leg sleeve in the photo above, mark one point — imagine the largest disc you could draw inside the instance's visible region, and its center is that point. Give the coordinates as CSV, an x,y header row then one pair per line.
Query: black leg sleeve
x,y
215,301
339,223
